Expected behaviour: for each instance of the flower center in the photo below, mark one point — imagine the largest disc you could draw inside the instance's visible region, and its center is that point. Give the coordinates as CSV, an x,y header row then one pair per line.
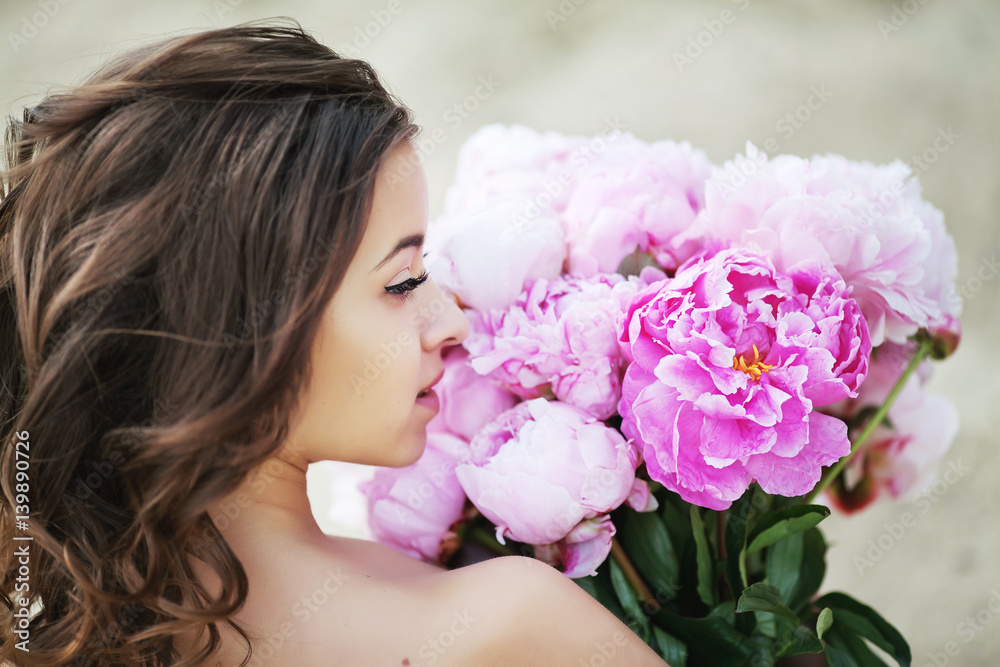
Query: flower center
x,y
755,368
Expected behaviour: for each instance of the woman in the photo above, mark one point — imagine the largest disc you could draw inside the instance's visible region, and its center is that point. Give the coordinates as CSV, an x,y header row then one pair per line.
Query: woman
x,y
201,246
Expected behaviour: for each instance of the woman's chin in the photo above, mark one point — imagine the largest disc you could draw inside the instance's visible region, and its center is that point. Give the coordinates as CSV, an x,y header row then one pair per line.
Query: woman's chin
x,y
408,454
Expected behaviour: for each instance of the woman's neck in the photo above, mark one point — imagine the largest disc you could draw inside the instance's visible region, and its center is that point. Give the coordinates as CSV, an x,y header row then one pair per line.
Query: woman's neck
x,y
273,497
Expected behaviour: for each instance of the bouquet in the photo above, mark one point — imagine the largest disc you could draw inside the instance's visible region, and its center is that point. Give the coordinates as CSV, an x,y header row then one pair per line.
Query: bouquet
x,y
669,363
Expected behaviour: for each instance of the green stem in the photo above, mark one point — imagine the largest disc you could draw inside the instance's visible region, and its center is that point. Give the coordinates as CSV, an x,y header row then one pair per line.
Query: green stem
x,y
484,538
632,575
720,533
922,351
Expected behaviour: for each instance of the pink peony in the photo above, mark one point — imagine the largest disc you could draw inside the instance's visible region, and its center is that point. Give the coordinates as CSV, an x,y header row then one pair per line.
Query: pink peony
x,y
469,400
636,196
411,509
868,221
559,338
582,550
902,454
542,467
501,215
500,162
730,358
497,257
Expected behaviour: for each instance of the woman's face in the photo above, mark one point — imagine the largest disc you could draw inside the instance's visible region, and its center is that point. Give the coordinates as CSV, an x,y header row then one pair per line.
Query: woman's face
x,y
379,344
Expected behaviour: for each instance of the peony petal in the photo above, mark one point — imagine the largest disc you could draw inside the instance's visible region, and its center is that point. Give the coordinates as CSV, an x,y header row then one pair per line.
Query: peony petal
x,y
798,475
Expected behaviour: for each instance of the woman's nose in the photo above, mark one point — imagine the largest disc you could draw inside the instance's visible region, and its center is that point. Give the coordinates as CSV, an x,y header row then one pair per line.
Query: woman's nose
x,y
446,324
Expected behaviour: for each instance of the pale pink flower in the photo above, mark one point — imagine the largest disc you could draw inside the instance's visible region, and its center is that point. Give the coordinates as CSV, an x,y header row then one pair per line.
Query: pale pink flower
x,y
900,457
635,197
559,338
542,467
582,550
469,400
411,509
868,221
501,214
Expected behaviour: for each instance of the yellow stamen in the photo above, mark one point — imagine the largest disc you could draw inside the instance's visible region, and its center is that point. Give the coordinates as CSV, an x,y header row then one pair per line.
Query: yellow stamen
x,y
755,368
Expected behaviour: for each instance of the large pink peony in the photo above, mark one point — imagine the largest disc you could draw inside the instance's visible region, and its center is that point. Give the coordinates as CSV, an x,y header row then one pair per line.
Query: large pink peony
x,y
638,196
543,466
559,338
411,509
868,221
501,215
730,359
502,162
528,205
497,257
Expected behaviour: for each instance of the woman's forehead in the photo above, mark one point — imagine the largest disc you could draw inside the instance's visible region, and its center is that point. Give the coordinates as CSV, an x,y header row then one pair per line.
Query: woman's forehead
x,y
399,204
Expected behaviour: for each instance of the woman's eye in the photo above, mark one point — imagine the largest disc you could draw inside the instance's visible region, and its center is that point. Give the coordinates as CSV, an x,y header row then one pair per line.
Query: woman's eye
x,y
405,288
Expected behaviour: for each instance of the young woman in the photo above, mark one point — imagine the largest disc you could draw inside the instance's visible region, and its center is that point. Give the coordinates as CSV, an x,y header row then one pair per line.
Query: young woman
x,y
201,246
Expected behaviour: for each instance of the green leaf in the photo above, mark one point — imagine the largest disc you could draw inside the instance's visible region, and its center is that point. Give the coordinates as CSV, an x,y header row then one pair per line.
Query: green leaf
x,y
846,649
710,641
860,625
599,587
724,611
638,620
813,568
784,563
588,584
705,580
763,654
672,650
738,516
800,640
764,597
855,618
784,523
767,624
676,521
647,543
824,621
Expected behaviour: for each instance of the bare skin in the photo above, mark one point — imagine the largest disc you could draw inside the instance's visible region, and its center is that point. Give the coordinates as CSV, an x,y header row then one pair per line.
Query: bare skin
x,y
322,600
316,599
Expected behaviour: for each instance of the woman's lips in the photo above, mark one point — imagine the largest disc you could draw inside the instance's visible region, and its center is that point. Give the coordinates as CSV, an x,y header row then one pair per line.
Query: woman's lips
x,y
429,399
422,392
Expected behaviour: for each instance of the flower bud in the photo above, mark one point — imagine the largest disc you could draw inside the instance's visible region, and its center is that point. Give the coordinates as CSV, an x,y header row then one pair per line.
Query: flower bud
x,y
944,337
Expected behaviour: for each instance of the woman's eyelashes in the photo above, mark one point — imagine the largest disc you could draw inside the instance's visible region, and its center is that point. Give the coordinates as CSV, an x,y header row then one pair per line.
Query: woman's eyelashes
x,y
405,288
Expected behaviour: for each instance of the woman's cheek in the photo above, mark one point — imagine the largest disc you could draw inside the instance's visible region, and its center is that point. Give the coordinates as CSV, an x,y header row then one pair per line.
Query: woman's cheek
x,y
384,346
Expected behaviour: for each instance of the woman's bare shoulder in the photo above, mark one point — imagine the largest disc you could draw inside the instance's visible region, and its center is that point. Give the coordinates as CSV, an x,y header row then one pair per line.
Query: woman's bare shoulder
x,y
503,611
534,615
368,604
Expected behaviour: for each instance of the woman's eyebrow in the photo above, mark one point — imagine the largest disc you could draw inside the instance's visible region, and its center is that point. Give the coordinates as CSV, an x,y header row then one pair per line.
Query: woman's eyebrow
x,y
416,240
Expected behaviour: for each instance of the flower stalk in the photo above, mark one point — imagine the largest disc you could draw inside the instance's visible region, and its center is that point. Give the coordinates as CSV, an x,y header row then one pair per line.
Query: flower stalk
x,y
923,350
632,575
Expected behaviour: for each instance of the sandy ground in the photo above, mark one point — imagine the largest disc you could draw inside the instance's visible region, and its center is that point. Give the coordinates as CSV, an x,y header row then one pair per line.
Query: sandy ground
x,y
898,74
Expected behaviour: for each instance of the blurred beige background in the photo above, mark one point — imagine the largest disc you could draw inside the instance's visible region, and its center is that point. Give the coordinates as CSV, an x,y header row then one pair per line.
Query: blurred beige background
x,y
896,76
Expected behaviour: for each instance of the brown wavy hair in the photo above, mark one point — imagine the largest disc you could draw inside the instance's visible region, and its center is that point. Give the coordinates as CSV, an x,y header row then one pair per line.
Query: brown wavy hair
x,y
170,232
